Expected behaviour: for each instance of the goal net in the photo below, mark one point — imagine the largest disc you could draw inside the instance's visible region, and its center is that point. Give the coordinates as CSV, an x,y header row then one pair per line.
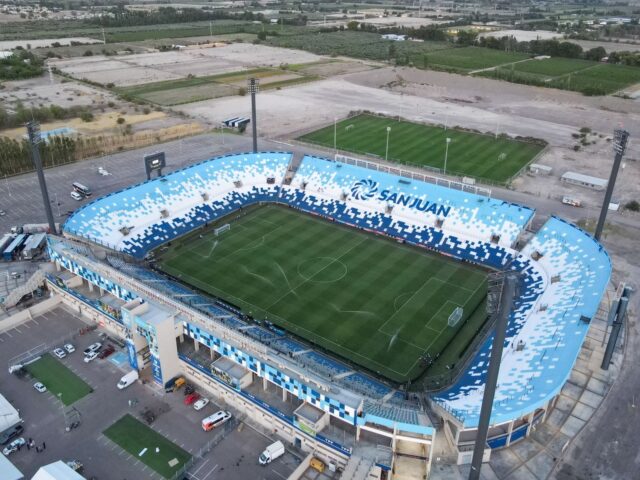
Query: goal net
x,y
455,317
222,229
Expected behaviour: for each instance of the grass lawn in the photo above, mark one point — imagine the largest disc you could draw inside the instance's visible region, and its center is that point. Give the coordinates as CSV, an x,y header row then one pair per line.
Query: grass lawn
x,y
58,379
371,300
470,154
472,58
133,436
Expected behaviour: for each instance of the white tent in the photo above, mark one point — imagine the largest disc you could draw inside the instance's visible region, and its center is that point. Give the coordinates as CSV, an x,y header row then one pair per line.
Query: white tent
x,y
9,416
57,471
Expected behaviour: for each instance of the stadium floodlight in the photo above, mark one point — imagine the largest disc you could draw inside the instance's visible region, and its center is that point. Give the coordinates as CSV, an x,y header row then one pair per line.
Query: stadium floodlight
x,y
446,154
620,138
386,152
335,133
33,131
253,85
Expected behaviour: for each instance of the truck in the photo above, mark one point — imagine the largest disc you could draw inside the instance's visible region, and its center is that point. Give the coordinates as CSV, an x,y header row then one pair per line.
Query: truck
x,y
272,452
574,202
34,228
128,379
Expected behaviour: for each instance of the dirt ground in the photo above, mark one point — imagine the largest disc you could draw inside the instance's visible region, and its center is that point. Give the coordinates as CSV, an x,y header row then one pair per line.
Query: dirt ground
x,y
153,67
11,44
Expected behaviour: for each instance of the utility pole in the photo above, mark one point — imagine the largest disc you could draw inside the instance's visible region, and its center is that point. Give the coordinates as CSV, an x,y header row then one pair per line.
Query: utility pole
x,y
620,138
33,130
253,89
502,289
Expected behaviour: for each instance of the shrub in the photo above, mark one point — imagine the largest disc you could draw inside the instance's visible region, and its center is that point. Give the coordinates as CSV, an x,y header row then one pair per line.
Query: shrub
x,y
242,91
576,148
120,120
111,104
87,53
110,85
633,205
146,110
86,116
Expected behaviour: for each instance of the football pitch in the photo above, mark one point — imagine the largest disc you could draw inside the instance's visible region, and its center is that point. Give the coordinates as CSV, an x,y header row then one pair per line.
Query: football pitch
x,y
371,300
469,154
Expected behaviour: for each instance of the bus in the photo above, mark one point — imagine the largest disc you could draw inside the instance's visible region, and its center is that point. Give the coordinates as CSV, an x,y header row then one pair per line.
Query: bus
x,y
81,189
215,420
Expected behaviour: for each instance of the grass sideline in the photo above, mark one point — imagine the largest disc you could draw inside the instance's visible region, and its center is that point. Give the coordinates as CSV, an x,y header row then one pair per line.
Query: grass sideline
x,y
317,280
58,379
133,436
470,154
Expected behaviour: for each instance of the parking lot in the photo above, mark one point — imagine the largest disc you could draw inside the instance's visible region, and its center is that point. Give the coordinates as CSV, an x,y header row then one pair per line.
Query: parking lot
x,y
224,453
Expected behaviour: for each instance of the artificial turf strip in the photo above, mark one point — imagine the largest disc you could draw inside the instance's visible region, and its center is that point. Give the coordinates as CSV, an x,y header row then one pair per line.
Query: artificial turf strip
x,y
372,300
58,379
133,436
470,154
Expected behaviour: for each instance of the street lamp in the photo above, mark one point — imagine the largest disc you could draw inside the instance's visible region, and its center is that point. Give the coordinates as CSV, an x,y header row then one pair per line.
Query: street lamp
x,y
446,154
335,133
386,153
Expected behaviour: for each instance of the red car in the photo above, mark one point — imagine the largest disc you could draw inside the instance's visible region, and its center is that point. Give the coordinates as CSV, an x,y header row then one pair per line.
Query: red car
x,y
108,350
192,398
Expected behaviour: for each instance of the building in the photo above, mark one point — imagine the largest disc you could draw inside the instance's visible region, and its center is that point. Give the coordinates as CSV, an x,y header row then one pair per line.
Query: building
x,y
394,37
574,178
538,168
9,416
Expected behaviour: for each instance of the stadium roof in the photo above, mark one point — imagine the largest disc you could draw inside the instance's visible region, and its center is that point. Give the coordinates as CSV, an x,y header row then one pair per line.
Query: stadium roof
x,y
8,471
57,471
9,416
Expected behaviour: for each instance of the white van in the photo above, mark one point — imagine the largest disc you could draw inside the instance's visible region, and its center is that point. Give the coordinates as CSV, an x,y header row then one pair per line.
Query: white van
x,y
76,196
215,420
272,452
128,379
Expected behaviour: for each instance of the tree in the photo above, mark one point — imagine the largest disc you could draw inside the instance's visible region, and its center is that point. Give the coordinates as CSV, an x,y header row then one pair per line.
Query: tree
x,y
352,25
392,51
262,35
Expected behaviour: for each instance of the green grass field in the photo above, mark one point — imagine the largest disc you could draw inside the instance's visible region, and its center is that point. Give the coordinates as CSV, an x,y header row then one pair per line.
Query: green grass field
x,y
466,59
470,154
371,300
133,436
58,379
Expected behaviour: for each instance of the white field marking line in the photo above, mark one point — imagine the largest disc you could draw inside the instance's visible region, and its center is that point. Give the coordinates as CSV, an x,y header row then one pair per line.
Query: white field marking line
x,y
258,276
286,279
322,269
202,465
278,474
18,330
8,334
381,327
210,472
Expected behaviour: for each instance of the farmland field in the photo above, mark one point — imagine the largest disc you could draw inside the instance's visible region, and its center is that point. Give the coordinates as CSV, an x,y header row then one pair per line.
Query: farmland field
x,y
317,280
469,154
472,58
187,90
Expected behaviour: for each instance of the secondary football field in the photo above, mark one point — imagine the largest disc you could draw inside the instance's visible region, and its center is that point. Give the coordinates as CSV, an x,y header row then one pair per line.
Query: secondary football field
x,y
469,154
369,299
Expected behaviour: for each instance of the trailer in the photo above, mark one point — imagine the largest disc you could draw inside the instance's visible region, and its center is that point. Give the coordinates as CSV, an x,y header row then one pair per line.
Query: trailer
x,y
34,246
14,247
5,241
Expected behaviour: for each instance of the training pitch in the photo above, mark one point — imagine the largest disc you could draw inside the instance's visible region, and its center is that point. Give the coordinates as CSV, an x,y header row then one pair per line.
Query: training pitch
x,y
469,154
372,300
58,379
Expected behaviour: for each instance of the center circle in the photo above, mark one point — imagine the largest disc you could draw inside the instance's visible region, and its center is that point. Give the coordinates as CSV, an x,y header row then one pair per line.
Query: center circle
x,y
322,269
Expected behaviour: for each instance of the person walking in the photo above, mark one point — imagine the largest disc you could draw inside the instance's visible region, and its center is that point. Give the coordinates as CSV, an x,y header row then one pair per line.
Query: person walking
x,y
44,446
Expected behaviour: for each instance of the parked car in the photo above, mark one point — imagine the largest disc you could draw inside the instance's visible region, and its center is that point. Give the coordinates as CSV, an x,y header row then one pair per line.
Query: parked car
x,y
91,356
10,434
76,196
60,353
200,404
13,446
69,348
40,387
94,347
189,389
191,398
174,384
108,350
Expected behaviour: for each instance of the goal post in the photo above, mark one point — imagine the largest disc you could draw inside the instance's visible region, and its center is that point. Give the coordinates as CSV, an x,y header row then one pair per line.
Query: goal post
x,y
222,229
455,316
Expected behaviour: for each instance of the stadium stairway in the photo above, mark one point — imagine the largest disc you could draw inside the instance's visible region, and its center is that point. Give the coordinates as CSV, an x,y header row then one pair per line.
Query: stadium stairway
x,y
36,280
292,169
358,468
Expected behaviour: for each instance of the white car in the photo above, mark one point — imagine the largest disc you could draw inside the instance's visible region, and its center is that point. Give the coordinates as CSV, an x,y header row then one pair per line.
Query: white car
x,y
102,171
69,348
94,347
200,404
76,196
40,387
13,446
90,357
60,353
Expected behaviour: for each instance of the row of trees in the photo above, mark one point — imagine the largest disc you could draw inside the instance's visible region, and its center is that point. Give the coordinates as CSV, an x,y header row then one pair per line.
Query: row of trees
x,y
22,114
122,17
15,155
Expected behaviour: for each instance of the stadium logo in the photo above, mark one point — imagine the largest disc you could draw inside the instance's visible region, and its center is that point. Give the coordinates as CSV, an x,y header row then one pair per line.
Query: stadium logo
x,y
364,189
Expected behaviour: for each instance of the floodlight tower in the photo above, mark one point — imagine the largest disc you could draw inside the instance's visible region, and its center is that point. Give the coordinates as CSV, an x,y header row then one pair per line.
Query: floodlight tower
x,y
502,289
620,138
33,130
253,86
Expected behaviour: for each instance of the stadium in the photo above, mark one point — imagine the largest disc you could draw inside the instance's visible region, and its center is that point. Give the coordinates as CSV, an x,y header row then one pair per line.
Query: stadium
x,y
345,286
